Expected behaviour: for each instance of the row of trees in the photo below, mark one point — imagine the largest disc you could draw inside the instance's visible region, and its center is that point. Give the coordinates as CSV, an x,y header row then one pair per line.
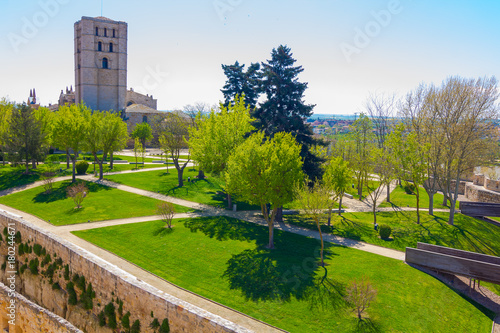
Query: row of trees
x,y
431,138
27,134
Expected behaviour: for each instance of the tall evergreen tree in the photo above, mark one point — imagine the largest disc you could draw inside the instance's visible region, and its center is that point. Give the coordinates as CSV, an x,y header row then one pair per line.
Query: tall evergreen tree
x,y
25,137
285,110
241,82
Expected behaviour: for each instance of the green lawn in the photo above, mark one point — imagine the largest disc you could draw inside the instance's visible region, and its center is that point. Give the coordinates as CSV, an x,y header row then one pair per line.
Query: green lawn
x,y
102,203
467,233
207,191
14,176
225,260
399,198
353,190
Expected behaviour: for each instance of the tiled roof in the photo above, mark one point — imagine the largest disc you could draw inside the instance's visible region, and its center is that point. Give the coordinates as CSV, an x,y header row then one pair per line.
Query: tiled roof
x,y
139,108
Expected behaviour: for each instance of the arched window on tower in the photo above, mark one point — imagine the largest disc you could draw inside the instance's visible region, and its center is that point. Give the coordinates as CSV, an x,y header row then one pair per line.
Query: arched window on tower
x,y
96,31
114,33
105,32
105,63
110,47
99,46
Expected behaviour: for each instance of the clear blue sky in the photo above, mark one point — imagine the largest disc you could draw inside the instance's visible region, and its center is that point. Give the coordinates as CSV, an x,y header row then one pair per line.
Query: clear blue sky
x,y
188,40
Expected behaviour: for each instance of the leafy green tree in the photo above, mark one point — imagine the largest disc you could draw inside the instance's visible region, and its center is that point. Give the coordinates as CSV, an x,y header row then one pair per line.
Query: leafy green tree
x,y
285,110
411,155
363,140
45,118
106,131
216,136
313,201
337,179
69,129
143,132
265,171
5,116
241,83
173,131
24,137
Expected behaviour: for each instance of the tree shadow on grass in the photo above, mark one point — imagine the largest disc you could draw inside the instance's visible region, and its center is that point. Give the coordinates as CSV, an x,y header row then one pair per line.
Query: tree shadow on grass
x,y
286,272
60,193
13,177
366,325
163,231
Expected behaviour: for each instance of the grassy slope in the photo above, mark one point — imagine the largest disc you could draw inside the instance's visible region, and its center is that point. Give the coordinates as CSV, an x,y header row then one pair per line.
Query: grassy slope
x,y
399,198
207,191
102,203
466,234
209,255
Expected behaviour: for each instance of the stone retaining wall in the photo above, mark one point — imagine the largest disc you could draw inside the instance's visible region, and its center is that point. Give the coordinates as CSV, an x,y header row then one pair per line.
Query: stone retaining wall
x,y
30,317
109,283
480,194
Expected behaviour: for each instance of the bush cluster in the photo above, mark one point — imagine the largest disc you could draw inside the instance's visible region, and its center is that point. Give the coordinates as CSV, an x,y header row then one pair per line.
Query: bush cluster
x,y
384,231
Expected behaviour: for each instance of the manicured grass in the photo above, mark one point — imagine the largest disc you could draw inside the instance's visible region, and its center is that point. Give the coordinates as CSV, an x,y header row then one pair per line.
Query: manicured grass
x,y
353,189
225,260
101,203
14,176
207,191
400,198
467,233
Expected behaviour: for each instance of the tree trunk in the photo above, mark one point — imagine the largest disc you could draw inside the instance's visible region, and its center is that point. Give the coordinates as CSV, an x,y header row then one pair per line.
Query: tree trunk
x,y
179,177
417,194
67,158
111,160
388,199
229,202
329,216
453,201
322,244
201,174
374,210
73,160
340,203
279,214
431,203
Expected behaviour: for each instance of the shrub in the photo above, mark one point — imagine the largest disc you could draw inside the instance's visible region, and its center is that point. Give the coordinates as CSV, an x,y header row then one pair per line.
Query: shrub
x,y
81,167
126,320
409,188
33,266
78,192
360,294
66,272
155,323
37,248
109,310
56,286
167,211
72,299
165,327
102,319
48,180
384,231
136,327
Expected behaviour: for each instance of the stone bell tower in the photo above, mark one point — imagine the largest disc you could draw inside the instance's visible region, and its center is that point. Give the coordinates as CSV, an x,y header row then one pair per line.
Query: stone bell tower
x,y
101,63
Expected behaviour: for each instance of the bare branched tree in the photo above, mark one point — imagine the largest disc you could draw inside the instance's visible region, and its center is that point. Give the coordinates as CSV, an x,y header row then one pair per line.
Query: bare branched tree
x,y
360,294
